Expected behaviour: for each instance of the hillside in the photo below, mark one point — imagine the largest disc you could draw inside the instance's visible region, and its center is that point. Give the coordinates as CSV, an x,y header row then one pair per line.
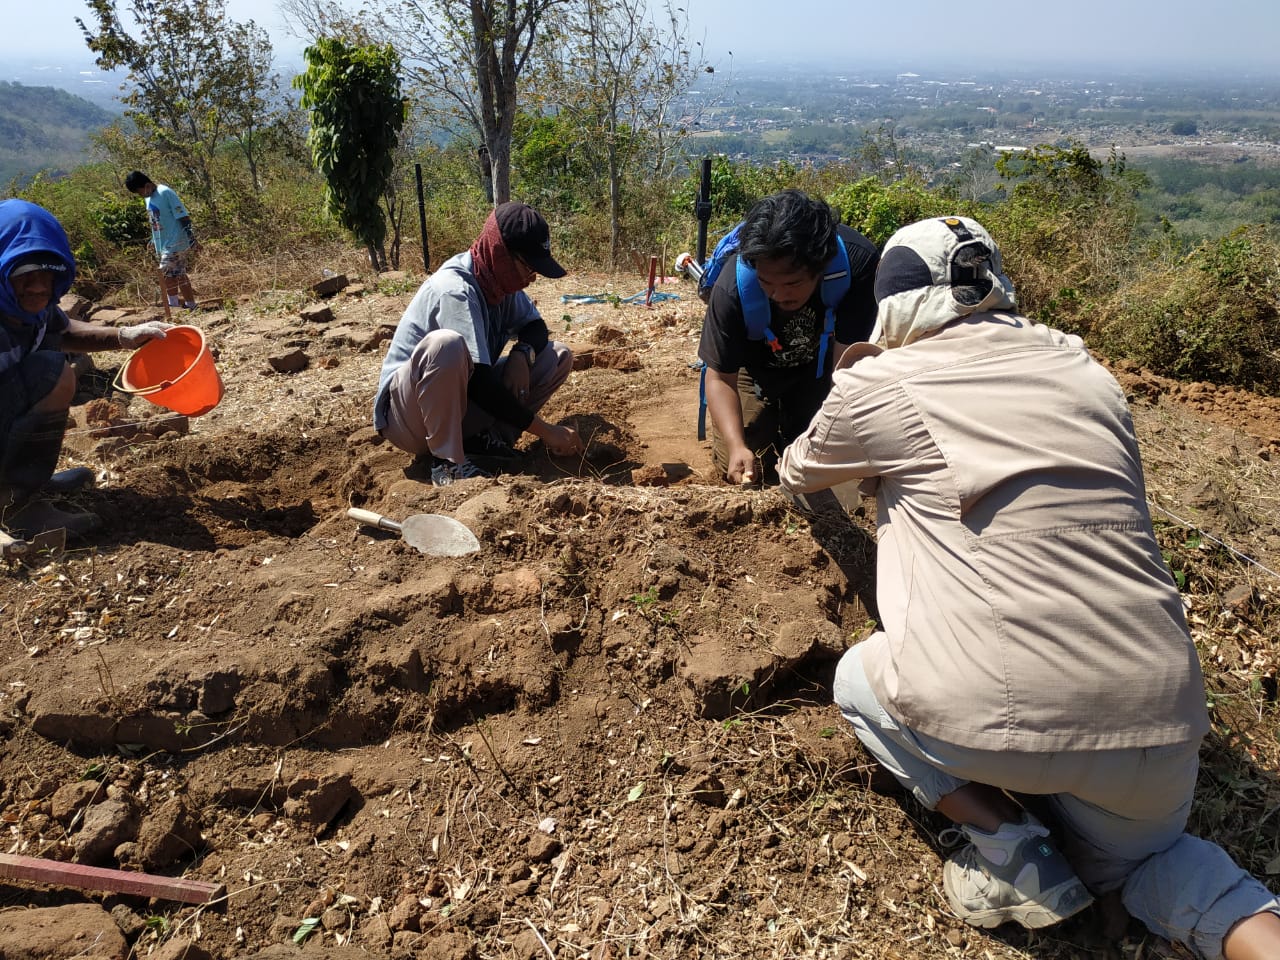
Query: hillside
x,y
607,734
44,128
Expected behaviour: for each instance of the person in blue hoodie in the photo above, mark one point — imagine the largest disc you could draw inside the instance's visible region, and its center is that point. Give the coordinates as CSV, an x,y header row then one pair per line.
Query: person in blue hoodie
x,y
37,382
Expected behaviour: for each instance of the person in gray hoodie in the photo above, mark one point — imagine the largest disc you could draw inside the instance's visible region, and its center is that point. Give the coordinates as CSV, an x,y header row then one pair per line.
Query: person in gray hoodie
x,y
1032,641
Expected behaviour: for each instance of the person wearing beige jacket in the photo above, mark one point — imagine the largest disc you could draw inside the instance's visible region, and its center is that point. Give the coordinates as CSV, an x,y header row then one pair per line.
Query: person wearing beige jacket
x,y
1032,641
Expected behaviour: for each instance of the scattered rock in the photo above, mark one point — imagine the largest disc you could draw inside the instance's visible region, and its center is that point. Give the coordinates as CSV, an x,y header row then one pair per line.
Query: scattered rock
x,y
343,336
406,915
1238,601
168,835
624,361
106,826
316,313
77,308
71,798
317,800
329,285
180,948
290,362
605,334
449,946
60,933
542,847
102,410
381,334
130,924
650,475
109,316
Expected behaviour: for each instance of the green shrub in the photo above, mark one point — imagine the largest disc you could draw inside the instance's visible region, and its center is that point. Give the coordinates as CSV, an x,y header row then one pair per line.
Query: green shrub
x,y
877,209
1212,315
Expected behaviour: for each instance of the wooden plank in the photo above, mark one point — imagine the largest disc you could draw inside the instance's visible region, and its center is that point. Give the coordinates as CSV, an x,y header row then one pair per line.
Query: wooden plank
x,y
84,877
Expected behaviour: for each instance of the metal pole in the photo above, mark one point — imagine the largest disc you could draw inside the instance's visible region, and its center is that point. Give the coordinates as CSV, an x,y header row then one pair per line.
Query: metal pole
x,y
422,218
702,209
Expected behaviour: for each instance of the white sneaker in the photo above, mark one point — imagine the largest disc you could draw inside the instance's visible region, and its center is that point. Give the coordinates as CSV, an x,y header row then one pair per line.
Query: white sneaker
x,y
1031,883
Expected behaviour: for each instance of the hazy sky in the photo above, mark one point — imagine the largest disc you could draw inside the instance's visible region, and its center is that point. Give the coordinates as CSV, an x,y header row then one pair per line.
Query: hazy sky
x,y
1177,35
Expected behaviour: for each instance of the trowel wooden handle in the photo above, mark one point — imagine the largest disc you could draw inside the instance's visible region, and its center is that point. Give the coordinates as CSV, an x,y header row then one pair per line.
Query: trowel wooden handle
x,y
373,519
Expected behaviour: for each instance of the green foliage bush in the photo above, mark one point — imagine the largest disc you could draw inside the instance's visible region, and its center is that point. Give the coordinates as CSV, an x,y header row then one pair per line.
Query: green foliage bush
x,y
734,188
1212,315
1067,230
877,209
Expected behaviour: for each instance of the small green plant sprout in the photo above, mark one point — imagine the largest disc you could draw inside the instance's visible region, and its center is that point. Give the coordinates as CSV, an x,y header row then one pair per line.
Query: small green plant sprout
x,y
157,925
646,600
567,321
745,689
306,928
826,733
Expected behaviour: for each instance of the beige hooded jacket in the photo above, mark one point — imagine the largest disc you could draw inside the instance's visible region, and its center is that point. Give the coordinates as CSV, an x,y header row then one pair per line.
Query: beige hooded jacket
x,y
1023,594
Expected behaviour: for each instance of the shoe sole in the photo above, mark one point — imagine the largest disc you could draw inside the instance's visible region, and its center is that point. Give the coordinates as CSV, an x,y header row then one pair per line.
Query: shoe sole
x,y
1051,907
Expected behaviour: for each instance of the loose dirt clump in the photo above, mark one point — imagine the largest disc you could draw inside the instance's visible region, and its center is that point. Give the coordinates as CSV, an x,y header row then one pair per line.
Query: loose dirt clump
x,y
608,733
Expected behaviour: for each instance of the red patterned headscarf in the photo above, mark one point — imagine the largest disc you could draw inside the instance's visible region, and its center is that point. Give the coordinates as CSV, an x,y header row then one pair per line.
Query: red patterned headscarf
x,y
496,270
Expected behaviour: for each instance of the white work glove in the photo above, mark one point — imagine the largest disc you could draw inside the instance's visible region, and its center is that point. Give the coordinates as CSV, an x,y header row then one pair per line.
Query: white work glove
x,y
138,334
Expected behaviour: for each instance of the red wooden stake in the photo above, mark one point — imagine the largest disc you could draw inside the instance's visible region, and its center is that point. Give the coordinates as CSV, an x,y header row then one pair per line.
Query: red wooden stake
x,y
653,272
13,867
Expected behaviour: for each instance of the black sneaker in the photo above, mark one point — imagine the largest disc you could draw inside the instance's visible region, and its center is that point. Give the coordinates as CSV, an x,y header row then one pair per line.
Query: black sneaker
x,y
490,446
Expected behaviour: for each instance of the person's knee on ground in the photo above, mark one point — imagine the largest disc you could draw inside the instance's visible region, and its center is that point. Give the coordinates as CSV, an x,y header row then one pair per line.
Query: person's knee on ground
x,y
60,397
1193,893
30,455
1006,872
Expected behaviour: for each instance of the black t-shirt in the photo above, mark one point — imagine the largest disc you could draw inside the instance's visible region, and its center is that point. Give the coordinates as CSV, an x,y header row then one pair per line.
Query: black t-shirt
x,y
726,349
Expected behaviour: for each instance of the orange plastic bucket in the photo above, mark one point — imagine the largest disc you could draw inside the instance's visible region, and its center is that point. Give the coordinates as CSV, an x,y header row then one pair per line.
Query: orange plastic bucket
x,y
176,373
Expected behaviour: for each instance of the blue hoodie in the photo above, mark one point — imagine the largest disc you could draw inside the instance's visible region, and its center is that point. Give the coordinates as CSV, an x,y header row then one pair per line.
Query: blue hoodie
x,y
25,229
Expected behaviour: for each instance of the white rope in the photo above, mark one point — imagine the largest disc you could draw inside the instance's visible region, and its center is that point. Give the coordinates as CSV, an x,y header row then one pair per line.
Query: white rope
x,y
1222,543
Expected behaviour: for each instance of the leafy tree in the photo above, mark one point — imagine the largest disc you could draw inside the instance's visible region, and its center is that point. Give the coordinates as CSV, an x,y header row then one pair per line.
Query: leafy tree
x,y
614,72
470,54
353,96
197,79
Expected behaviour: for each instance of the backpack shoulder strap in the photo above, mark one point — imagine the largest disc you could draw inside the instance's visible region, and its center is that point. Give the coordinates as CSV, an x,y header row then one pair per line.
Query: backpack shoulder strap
x,y
755,306
835,284
835,277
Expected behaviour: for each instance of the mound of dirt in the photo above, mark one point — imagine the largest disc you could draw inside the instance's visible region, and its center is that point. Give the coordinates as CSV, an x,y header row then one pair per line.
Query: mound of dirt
x,y
608,733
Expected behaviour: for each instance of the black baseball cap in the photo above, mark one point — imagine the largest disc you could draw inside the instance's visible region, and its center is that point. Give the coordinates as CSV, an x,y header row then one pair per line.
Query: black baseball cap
x,y
40,260
526,234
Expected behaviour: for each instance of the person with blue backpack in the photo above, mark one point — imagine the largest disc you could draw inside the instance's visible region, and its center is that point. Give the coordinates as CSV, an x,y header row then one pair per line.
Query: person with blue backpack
x,y
787,290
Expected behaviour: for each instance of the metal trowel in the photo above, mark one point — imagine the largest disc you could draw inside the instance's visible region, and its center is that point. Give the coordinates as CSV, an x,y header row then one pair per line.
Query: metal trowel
x,y
47,542
431,533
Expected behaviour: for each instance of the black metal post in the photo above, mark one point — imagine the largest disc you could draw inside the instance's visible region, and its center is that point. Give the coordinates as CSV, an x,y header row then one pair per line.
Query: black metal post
x,y
422,218
702,209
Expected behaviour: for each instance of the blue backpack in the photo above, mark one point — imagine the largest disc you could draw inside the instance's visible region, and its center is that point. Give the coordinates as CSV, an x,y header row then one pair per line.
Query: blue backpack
x,y
755,305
